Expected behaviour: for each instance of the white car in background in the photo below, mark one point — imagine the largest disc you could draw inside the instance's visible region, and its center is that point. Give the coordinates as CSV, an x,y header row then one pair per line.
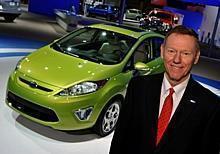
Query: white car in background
x,y
133,14
10,9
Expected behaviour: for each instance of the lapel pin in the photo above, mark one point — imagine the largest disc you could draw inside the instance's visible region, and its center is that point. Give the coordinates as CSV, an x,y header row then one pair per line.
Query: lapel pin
x,y
192,101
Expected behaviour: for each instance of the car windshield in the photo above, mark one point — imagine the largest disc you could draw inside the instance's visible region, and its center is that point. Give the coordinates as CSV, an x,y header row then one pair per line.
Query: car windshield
x,y
97,45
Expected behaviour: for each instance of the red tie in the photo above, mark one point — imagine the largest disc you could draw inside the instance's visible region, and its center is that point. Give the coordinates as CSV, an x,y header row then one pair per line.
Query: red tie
x,y
165,115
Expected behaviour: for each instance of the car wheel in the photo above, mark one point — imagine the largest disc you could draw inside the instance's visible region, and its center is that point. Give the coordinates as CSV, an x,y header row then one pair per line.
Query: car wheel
x,y
10,18
108,118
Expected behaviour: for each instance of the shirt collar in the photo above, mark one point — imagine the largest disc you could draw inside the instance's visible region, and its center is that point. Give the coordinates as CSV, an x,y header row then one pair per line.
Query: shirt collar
x,y
177,89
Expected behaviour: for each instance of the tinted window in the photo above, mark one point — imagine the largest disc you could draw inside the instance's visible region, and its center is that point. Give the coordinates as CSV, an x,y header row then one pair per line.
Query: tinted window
x,y
148,50
161,15
133,11
156,43
97,45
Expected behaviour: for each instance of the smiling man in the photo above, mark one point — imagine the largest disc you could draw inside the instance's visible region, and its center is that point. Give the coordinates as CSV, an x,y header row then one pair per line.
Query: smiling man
x,y
179,56
170,113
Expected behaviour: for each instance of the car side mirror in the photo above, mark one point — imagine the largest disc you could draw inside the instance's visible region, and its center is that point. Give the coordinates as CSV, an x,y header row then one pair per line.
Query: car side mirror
x,y
141,69
141,66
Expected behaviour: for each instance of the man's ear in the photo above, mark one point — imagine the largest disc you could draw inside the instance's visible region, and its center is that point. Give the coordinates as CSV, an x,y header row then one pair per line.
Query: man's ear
x,y
161,50
197,57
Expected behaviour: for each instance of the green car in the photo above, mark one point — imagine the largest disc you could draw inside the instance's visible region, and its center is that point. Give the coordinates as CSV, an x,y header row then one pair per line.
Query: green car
x,y
80,80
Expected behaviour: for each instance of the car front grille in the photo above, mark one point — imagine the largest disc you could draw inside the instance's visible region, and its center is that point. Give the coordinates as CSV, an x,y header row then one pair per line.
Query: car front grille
x,y
34,85
31,109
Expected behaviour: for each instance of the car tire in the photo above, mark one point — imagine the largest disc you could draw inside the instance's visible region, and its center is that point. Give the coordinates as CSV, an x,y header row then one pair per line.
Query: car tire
x,y
138,18
108,118
9,18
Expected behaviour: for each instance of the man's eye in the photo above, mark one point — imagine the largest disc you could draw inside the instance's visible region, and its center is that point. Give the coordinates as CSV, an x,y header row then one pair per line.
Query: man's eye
x,y
170,51
186,53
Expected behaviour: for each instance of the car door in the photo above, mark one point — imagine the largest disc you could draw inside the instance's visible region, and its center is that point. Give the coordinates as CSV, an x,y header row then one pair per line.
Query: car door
x,y
129,14
101,10
133,14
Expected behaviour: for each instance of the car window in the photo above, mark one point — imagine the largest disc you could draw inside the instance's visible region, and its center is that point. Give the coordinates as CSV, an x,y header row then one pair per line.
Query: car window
x,y
161,15
164,16
100,6
156,43
80,37
101,46
114,44
133,11
141,52
148,50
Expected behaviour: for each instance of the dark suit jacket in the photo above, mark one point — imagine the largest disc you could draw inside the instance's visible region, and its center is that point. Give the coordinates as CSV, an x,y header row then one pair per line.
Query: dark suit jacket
x,y
194,127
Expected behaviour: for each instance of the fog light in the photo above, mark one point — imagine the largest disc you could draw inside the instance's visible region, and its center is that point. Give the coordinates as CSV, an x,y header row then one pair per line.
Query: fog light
x,y
84,114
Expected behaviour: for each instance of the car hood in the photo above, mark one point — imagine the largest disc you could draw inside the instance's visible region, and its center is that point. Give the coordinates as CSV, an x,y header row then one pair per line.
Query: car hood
x,y
61,70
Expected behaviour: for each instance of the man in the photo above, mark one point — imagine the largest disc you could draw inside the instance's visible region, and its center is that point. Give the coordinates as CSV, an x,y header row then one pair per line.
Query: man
x,y
190,122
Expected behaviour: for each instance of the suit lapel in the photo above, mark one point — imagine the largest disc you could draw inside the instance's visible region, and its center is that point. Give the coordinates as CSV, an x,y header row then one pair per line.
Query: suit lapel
x,y
183,111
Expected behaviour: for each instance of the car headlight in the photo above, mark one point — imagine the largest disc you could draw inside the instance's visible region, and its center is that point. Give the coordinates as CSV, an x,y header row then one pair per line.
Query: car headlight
x,y
18,65
83,88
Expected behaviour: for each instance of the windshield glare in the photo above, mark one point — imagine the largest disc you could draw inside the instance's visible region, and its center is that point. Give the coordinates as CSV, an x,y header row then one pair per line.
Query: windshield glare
x,y
96,45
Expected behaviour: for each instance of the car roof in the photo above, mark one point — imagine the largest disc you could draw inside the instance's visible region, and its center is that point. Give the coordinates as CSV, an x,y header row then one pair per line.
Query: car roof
x,y
135,9
111,5
126,30
163,11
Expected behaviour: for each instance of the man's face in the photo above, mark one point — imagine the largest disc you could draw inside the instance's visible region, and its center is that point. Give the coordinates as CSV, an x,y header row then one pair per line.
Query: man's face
x,y
179,54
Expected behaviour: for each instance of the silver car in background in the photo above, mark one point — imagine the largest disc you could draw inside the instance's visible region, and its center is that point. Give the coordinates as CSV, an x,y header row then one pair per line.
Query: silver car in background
x,y
133,14
10,9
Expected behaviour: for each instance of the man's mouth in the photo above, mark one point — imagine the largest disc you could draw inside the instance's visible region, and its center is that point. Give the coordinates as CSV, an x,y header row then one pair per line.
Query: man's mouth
x,y
176,66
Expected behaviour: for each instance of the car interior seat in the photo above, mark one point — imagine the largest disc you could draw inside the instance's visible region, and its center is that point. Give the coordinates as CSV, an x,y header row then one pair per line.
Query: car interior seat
x,y
111,48
108,51
140,54
123,46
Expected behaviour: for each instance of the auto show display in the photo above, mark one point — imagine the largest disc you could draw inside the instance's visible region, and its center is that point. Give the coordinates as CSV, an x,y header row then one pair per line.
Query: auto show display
x,y
159,20
80,80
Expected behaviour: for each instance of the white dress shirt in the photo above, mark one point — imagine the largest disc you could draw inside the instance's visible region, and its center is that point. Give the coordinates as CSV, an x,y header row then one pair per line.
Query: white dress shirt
x,y
177,95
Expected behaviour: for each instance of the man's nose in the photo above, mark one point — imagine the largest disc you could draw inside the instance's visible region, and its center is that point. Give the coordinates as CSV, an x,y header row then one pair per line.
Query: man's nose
x,y
177,57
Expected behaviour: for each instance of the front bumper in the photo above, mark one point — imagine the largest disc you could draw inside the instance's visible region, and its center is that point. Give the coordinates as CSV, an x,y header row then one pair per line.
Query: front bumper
x,y
14,12
51,110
